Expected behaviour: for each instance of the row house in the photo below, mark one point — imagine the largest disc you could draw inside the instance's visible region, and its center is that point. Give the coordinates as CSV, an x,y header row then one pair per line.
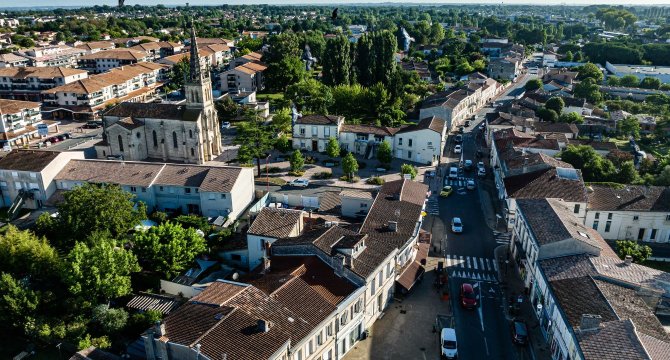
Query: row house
x,y
96,46
27,176
246,77
253,57
13,60
160,49
19,123
507,68
106,60
210,191
365,139
27,83
129,42
630,212
84,99
52,55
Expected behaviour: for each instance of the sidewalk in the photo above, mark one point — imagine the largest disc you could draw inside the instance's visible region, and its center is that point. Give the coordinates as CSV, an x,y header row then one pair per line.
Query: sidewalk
x,y
512,286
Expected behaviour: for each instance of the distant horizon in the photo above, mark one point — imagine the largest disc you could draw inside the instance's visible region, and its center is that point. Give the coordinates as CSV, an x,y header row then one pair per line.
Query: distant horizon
x,y
48,4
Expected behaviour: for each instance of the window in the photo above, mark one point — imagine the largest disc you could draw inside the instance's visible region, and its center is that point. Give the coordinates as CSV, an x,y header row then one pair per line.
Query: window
x,y
597,216
33,175
138,135
652,236
18,185
315,131
380,279
409,142
190,134
344,318
636,217
326,131
400,141
329,330
595,225
364,205
120,143
187,190
608,225
667,217
609,216
311,347
133,189
223,196
302,131
299,354
160,188
154,137
212,196
576,209
174,140
144,189
319,338
388,270
373,288
409,154
192,152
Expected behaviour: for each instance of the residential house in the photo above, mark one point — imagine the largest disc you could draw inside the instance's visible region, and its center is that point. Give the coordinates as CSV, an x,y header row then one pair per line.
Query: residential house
x,y
422,142
18,123
160,49
631,212
253,57
312,132
13,60
27,83
87,98
220,54
51,55
27,176
190,189
507,68
561,76
365,139
269,225
212,41
128,42
96,46
418,67
246,77
254,34
356,203
106,60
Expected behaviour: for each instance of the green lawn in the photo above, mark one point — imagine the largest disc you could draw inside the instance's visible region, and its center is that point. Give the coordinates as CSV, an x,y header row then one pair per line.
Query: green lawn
x,y
270,97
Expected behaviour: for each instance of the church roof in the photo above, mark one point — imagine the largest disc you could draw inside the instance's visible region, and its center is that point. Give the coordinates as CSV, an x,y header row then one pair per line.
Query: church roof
x,y
154,111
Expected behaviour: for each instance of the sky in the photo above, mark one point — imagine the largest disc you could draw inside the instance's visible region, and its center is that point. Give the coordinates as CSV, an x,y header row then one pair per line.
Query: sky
x,y
26,3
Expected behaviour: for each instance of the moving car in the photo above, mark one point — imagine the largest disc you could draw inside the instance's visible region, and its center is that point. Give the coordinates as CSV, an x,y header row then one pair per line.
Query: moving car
x,y
225,125
470,185
456,225
448,344
457,149
300,182
453,172
446,191
468,164
481,169
467,123
458,139
519,332
468,296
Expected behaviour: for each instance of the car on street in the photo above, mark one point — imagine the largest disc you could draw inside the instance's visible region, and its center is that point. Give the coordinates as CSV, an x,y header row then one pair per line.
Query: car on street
x,y
457,149
481,169
470,185
92,125
456,225
225,125
482,126
461,129
466,123
300,183
468,296
519,332
446,191
467,164
449,344
429,173
458,138
453,172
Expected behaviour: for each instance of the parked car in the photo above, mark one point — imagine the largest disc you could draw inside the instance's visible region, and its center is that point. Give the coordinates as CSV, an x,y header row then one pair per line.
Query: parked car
x,y
456,225
446,191
519,332
448,344
457,149
453,172
468,296
54,139
225,125
482,126
466,123
92,125
470,185
61,137
461,129
300,182
430,173
458,139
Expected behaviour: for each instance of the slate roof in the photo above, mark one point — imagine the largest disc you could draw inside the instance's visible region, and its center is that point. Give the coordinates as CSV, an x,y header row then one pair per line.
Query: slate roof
x,y
275,222
181,175
316,119
27,160
432,123
580,295
153,111
613,340
629,198
546,184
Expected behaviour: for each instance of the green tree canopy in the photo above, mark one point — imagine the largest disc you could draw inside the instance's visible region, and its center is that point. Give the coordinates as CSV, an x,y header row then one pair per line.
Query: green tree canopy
x,y
571,118
110,320
337,61
349,166
384,153
547,114
333,147
310,96
589,90
287,71
650,83
168,248
255,138
555,103
408,169
22,253
590,71
297,161
594,167
639,252
629,81
533,84
629,126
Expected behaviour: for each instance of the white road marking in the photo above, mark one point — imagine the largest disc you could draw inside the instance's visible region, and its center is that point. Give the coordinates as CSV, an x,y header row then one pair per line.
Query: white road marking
x,y
481,261
467,259
474,262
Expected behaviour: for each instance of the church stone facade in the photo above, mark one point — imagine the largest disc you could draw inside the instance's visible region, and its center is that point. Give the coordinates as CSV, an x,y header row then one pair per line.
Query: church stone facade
x,y
186,133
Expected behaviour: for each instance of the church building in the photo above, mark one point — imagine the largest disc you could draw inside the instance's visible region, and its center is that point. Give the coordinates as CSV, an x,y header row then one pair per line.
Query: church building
x,y
185,133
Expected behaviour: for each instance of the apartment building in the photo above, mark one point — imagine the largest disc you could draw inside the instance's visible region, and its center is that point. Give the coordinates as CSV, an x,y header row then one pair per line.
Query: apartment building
x,y
19,121
106,60
96,46
160,49
27,83
245,77
52,55
13,60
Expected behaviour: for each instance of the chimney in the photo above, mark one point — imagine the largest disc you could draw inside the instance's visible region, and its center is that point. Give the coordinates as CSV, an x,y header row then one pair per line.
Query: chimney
x,y
349,261
264,325
339,261
628,260
393,226
590,322
160,329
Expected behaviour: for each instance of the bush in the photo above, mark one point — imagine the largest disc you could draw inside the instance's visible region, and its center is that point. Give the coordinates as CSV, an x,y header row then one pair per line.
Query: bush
x,y
322,175
158,217
346,178
409,169
375,180
296,173
274,169
310,160
195,222
270,181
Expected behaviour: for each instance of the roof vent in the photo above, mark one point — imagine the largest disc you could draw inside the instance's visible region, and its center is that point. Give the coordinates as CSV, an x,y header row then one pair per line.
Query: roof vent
x,y
393,226
590,322
264,325
628,260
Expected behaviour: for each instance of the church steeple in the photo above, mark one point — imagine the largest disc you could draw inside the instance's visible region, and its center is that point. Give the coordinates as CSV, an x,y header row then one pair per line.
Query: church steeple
x,y
195,73
198,86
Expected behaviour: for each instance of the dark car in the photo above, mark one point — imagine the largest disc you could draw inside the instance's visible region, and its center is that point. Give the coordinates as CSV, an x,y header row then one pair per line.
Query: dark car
x,y
519,332
468,297
467,123
93,125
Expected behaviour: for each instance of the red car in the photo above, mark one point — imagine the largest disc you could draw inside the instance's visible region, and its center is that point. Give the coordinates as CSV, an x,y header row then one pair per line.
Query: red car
x,y
468,296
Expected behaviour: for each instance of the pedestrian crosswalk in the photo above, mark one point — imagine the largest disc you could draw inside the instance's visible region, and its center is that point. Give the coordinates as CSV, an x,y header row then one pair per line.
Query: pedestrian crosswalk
x,y
432,205
502,237
461,181
471,267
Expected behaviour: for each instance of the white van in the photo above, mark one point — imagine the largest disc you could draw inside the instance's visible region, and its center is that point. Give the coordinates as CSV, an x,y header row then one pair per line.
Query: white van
x,y
448,344
453,172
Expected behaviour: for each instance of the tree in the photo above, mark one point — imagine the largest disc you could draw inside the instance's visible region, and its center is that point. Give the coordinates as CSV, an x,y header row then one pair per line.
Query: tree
x,y
297,161
100,271
629,127
464,68
333,147
24,254
613,81
93,208
375,57
282,121
255,139
533,84
650,83
594,167
168,248
589,90
547,114
384,153
627,174
226,109
555,103
349,166
111,320
178,73
568,56
639,252
310,95
571,118
590,71
629,81
287,71
18,304
337,62
436,33
408,169
663,178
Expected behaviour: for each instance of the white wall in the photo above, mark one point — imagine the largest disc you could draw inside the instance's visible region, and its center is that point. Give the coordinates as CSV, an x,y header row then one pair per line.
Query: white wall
x,y
426,146
624,226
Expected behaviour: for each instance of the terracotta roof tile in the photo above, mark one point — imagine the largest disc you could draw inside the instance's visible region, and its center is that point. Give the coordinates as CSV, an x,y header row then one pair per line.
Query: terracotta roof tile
x,y
111,172
16,106
275,222
433,123
546,183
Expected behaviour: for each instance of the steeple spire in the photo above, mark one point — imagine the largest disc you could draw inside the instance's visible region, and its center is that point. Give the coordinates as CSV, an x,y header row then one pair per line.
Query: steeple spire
x,y
195,73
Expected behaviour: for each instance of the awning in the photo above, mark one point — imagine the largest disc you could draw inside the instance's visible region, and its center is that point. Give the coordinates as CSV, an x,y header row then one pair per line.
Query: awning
x,y
413,272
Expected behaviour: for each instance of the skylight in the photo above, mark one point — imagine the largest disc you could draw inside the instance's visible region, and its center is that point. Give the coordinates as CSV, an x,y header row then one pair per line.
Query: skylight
x,y
566,173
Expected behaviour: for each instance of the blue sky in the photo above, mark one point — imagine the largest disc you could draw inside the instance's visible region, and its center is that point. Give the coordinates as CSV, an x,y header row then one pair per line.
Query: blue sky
x,y
25,3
